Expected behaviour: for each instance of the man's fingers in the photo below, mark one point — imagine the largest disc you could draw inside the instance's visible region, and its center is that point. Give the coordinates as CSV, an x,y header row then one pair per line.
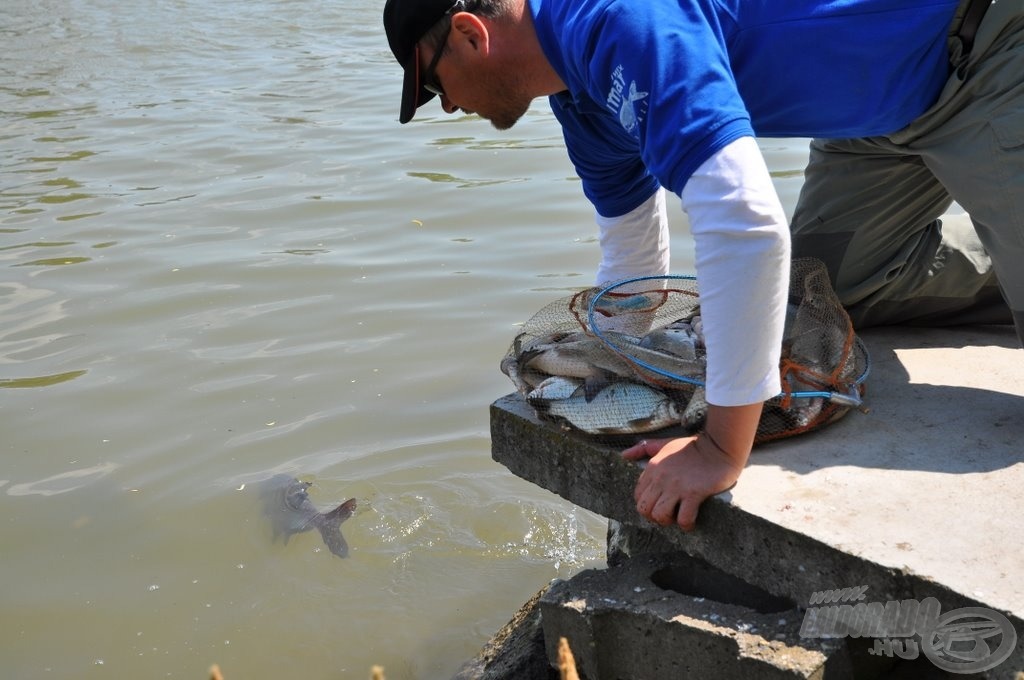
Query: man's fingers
x,y
640,489
663,493
645,448
686,518
636,451
647,483
646,499
664,511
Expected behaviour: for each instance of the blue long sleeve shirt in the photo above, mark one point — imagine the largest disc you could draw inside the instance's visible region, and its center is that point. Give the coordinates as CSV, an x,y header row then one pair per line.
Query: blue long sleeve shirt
x,y
656,87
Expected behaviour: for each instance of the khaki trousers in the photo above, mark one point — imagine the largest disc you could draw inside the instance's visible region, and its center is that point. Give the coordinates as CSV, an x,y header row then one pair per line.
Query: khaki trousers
x,y
874,209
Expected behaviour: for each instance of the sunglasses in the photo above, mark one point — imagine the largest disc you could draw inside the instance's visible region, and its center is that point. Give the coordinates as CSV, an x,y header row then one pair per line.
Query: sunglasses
x,y
430,83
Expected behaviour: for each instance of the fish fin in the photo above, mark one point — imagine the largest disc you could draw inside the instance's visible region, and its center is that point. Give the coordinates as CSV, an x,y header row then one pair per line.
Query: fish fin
x,y
510,366
524,359
330,527
342,512
531,354
633,426
592,386
333,539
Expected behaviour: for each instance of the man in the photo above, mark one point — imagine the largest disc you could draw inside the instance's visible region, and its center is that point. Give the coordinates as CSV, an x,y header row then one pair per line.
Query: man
x,y
912,104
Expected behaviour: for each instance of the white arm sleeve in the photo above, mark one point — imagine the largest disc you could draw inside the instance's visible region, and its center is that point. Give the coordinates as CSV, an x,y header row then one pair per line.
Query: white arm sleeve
x,y
635,244
742,256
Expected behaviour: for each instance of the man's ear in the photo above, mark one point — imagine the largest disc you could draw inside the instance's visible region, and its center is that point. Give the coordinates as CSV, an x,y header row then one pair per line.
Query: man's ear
x,y
469,28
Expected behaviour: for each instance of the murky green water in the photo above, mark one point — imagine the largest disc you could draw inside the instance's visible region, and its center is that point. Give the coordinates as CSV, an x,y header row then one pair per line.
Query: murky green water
x,y
222,258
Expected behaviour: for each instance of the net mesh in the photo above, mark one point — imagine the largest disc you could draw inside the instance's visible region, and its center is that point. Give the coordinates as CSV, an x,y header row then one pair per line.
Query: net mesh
x,y
630,358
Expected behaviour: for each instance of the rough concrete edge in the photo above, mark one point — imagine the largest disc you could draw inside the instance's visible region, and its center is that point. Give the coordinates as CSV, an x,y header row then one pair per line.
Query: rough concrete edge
x,y
572,466
631,586
515,651
728,537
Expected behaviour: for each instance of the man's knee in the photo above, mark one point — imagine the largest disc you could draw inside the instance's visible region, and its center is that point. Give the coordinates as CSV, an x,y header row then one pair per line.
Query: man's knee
x,y
830,248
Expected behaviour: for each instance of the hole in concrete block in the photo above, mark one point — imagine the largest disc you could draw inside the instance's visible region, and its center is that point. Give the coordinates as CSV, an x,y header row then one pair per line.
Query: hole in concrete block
x,y
697,578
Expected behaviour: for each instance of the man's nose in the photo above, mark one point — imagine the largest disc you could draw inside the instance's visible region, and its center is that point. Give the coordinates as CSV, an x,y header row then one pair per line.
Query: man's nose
x,y
447,105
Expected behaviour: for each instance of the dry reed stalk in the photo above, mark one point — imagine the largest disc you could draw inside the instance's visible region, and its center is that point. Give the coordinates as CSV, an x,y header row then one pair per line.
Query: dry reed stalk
x,y
566,662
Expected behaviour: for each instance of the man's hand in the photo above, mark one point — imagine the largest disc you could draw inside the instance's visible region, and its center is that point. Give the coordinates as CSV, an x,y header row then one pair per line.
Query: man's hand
x,y
683,472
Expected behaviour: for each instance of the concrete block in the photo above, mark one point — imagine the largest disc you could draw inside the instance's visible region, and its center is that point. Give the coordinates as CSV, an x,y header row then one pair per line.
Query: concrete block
x,y
592,474
671,616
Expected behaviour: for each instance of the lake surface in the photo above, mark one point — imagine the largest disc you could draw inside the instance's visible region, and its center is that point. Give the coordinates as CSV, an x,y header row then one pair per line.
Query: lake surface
x,y
222,258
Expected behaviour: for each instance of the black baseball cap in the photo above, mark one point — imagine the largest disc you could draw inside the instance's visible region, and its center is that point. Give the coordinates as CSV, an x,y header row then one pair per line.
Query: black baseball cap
x,y
405,22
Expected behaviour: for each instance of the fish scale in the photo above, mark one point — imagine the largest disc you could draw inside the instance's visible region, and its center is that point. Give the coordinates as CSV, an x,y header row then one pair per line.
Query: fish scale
x,y
618,408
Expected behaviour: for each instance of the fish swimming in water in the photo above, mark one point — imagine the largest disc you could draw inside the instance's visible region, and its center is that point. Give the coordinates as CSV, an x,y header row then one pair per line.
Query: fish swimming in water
x,y
286,504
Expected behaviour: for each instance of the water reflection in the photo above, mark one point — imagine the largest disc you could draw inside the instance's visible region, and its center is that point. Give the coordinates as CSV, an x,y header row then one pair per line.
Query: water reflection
x,y
71,156
53,262
462,182
38,244
474,144
64,482
41,381
78,216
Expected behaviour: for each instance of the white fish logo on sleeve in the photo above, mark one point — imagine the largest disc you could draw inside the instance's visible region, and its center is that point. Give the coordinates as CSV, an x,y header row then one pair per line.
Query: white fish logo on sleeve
x,y
623,101
627,113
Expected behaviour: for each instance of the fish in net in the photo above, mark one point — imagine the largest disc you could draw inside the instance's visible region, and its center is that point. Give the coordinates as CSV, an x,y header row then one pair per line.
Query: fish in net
x,y
631,358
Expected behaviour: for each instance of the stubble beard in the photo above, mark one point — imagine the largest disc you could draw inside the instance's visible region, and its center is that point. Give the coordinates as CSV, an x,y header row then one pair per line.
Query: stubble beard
x,y
512,101
508,117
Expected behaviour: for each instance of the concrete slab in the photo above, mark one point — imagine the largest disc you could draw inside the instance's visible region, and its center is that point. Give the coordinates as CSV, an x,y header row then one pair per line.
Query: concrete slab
x,y
930,480
642,620
919,495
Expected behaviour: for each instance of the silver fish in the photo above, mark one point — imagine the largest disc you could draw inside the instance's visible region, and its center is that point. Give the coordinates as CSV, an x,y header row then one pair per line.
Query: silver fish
x,y
286,504
555,388
524,382
525,345
696,411
690,369
618,408
678,340
805,411
813,338
577,356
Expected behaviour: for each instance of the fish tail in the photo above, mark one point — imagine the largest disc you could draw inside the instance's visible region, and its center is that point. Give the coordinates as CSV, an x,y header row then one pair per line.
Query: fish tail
x,y
342,512
330,527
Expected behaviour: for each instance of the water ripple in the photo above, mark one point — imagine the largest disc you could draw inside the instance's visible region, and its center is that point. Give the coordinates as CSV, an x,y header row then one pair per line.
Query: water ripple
x,y
40,381
63,482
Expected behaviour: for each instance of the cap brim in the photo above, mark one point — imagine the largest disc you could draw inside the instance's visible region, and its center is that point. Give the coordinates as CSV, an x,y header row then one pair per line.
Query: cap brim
x,y
413,96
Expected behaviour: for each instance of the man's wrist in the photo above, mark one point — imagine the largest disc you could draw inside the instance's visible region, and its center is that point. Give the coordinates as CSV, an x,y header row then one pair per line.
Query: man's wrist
x,y
731,430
